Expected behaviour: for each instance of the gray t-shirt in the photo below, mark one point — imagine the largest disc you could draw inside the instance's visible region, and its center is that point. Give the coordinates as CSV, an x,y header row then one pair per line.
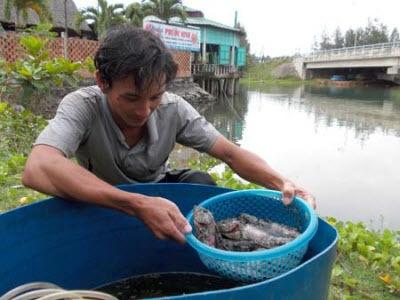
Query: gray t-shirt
x,y
83,126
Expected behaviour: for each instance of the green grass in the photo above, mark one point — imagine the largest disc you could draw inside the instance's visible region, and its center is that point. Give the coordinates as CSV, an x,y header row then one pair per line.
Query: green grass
x,y
17,134
264,73
261,72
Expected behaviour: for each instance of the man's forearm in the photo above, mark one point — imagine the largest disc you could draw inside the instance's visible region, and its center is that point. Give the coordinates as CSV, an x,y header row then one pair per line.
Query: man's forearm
x,y
254,169
47,170
246,164
69,180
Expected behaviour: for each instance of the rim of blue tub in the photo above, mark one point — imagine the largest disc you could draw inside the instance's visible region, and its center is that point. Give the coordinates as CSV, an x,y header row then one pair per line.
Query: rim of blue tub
x,y
273,279
303,238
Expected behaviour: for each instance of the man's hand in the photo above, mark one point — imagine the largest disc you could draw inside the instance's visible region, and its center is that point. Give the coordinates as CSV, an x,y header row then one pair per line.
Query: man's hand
x,y
163,218
289,190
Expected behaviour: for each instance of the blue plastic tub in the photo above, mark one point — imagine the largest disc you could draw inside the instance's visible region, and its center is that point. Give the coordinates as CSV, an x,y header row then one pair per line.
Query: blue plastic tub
x,y
80,246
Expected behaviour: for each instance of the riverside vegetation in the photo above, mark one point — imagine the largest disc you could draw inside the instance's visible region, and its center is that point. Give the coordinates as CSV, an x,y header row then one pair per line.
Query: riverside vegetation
x,y
266,72
368,263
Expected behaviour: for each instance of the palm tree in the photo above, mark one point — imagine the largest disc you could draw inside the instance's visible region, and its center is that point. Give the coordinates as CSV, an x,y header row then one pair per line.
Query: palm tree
x,y
164,9
23,7
103,17
135,14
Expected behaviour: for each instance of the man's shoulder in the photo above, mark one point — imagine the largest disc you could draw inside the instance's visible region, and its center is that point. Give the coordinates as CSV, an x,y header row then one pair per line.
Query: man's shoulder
x,y
174,102
91,93
84,102
88,96
171,99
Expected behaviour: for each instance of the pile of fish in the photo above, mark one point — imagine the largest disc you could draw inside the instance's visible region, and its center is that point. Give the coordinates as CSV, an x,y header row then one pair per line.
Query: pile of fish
x,y
244,233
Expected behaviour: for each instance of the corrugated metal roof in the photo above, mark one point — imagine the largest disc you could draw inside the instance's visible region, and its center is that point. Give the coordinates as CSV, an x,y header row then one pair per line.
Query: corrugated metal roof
x,y
56,7
207,22
190,9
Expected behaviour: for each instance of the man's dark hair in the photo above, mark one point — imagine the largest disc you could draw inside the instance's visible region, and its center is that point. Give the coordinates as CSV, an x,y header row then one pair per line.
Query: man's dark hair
x,y
127,50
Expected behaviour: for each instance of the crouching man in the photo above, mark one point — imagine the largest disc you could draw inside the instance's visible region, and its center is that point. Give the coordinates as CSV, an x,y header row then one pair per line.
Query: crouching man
x,y
123,130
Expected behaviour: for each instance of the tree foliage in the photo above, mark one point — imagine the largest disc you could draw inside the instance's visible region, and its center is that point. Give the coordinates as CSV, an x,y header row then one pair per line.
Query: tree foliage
x,y
164,9
105,16
338,40
134,14
101,18
394,36
36,73
374,32
22,7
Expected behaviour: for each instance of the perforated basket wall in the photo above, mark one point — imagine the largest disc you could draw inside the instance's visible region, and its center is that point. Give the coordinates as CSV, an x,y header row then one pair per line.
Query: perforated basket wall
x,y
257,270
264,264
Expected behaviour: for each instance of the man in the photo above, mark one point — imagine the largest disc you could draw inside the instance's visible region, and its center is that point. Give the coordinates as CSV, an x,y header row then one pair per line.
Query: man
x,y
123,130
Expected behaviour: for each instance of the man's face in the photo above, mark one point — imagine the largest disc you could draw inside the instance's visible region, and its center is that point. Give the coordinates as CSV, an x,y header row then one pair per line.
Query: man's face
x,y
129,107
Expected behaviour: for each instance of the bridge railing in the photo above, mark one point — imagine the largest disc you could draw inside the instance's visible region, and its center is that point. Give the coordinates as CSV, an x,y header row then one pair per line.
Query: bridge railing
x,y
365,51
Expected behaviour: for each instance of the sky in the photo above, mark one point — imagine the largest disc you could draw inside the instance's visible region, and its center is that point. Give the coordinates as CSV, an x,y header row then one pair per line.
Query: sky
x,y
284,27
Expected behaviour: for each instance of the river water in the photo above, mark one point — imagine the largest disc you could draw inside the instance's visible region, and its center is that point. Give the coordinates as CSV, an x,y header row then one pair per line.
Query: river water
x,y
342,144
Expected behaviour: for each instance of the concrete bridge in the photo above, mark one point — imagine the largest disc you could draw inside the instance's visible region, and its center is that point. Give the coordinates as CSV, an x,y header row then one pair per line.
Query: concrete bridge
x,y
377,61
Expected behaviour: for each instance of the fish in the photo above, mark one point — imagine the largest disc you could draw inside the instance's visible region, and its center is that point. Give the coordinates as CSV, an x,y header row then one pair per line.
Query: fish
x,y
205,226
273,228
243,233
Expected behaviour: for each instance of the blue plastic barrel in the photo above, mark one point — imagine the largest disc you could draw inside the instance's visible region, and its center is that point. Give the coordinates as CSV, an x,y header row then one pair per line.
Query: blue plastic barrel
x,y
81,246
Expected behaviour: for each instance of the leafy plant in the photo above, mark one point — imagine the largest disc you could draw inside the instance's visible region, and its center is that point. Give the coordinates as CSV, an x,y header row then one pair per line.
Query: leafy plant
x,y
368,262
3,76
36,74
18,131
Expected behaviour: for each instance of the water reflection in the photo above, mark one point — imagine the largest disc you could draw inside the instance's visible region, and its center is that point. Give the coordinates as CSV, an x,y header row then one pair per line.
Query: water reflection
x,y
228,114
342,144
364,110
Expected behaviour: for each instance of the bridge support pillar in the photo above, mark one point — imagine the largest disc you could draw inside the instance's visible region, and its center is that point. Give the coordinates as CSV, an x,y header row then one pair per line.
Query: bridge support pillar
x,y
393,70
300,67
309,74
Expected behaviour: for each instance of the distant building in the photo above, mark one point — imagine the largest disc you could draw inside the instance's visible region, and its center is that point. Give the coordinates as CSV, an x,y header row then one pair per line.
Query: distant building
x,y
220,44
56,8
216,51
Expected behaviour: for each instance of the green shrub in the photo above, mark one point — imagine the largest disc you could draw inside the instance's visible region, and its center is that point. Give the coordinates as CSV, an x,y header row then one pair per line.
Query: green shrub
x,y
18,130
35,74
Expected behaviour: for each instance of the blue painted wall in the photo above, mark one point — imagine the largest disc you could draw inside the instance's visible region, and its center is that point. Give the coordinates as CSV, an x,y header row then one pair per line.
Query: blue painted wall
x,y
224,55
241,57
219,36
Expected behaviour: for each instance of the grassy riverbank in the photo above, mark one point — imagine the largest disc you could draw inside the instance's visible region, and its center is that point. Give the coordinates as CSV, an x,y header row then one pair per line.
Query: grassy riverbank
x,y
265,72
272,72
368,264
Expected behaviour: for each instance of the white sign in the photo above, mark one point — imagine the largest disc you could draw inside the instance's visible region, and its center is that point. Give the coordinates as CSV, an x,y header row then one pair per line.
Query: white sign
x,y
175,37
